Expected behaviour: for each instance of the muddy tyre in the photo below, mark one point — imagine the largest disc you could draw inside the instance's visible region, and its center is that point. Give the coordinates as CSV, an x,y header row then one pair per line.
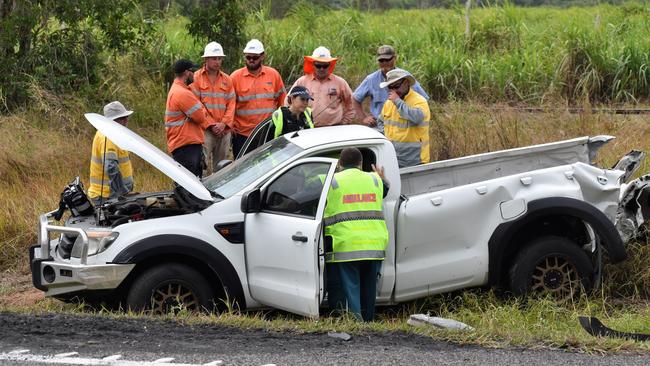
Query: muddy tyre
x,y
170,288
551,266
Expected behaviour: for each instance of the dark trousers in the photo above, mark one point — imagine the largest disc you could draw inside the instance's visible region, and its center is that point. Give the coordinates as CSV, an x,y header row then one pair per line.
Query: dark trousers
x,y
237,143
352,286
190,156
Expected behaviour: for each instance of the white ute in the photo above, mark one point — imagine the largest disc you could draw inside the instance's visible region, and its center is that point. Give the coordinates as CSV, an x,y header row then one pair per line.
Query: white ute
x,y
528,219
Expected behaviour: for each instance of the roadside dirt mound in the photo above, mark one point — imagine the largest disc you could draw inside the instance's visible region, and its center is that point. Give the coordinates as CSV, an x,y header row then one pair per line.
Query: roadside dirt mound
x,y
17,291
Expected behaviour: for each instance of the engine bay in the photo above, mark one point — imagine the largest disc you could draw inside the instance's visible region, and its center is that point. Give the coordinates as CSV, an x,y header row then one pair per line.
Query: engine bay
x,y
113,213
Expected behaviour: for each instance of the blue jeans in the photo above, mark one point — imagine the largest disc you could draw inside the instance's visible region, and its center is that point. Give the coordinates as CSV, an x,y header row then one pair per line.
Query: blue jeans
x,y
352,286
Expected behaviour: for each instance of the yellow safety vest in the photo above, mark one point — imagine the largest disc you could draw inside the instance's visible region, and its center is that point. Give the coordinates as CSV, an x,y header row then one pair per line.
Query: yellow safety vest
x,y
101,144
277,121
354,218
411,139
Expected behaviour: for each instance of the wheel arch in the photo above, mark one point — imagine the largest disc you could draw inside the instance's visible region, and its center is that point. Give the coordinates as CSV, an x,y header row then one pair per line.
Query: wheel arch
x,y
194,252
565,215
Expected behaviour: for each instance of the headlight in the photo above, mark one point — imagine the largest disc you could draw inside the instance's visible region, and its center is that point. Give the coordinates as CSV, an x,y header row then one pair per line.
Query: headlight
x,y
98,241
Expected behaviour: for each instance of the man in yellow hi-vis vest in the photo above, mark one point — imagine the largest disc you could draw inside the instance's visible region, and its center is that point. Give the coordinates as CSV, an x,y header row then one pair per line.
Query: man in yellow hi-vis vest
x,y
405,117
355,235
111,173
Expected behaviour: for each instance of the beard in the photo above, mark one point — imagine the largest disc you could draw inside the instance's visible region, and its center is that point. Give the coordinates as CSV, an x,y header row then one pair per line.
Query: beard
x,y
189,80
254,67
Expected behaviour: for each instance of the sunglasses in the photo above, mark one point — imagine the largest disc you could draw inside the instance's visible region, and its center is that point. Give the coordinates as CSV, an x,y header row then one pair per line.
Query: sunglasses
x,y
252,58
321,66
394,86
384,60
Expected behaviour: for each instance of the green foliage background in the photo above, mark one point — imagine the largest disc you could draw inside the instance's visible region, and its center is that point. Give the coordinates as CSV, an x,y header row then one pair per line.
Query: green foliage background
x,y
598,54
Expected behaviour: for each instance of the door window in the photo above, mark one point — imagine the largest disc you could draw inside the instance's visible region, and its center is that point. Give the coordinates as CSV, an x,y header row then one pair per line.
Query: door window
x,y
257,138
297,191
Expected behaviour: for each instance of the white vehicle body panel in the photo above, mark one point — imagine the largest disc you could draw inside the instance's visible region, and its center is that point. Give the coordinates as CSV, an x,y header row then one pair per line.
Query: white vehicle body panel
x,y
284,272
440,216
442,236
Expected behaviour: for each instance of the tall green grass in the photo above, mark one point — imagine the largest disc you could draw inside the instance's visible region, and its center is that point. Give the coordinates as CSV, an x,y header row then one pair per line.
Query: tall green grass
x,y
530,55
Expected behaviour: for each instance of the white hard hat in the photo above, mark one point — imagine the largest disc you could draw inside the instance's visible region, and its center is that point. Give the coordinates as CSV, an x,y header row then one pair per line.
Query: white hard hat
x,y
213,49
115,110
321,52
254,46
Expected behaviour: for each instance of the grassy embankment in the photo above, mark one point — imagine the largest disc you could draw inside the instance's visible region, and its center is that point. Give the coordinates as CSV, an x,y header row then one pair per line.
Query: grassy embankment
x,y
523,56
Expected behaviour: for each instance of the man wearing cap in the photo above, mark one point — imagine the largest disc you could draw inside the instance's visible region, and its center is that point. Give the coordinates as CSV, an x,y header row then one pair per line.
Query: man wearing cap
x,y
405,117
111,173
332,95
369,87
214,88
186,119
296,117
259,90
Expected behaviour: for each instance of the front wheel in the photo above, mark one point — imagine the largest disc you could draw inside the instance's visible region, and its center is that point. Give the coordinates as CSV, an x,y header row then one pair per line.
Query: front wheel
x,y
551,265
170,288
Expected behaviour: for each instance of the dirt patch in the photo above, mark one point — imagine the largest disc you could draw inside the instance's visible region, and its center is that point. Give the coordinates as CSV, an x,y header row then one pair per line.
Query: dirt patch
x,y
17,291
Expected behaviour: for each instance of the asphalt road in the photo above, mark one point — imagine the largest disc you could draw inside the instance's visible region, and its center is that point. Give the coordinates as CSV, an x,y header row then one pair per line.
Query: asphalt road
x,y
40,337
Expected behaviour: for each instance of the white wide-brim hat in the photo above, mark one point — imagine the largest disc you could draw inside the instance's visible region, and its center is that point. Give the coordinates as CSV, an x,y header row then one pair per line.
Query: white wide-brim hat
x,y
115,110
396,75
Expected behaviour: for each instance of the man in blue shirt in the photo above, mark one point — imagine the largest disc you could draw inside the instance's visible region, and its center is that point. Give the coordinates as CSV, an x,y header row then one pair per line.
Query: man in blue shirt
x,y
369,87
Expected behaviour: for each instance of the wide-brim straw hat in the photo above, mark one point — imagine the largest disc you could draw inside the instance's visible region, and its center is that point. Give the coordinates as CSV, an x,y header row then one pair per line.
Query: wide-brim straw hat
x,y
396,75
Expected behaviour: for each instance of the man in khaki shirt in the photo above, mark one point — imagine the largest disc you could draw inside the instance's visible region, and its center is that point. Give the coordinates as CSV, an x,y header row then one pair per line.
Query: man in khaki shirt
x,y
332,104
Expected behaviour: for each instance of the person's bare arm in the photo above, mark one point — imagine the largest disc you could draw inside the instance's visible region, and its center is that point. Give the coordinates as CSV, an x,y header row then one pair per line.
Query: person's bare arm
x,y
366,119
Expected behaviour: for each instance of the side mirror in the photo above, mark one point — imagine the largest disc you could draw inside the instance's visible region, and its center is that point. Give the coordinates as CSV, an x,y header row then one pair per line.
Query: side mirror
x,y
251,202
222,164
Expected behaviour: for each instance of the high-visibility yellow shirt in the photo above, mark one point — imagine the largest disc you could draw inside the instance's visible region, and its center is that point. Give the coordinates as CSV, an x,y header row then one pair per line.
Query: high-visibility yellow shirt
x,y
104,150
406,125
354,217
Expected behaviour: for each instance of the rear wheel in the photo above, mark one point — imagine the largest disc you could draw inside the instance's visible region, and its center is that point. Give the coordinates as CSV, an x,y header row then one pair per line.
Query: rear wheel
x,y
170,288
552,266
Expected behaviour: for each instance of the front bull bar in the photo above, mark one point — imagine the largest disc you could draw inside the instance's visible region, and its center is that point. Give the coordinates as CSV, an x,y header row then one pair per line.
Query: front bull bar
x,y
45,227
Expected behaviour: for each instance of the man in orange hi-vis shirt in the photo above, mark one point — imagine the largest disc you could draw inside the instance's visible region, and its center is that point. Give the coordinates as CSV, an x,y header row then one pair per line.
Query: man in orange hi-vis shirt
x,y
260,91
185,119
214,88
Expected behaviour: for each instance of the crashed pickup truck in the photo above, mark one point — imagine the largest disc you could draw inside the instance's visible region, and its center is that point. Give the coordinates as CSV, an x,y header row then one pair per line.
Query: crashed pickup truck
x,y
531,219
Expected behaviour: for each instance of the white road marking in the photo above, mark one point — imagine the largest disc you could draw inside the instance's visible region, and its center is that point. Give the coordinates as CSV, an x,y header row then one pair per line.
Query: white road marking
x,y
19,351
68,354
114,360
164,360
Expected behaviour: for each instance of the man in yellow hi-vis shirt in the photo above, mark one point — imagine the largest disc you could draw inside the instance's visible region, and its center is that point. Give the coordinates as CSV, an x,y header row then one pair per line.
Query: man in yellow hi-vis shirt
x,y
406,117
111,173
355,235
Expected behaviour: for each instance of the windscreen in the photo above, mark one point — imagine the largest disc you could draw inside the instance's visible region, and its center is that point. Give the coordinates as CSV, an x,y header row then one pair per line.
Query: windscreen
x,y
244,171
